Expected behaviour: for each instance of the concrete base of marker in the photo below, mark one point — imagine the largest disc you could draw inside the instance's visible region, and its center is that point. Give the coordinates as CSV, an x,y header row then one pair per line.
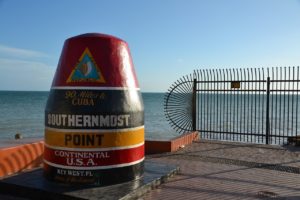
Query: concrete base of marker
x,y
162,146
97,177
33,185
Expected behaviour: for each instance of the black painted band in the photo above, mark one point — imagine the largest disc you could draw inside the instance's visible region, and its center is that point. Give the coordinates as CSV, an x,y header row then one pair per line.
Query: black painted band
x,y
97,177
98,109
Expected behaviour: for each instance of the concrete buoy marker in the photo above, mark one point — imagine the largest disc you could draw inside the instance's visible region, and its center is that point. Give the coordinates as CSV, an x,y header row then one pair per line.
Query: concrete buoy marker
x,y
94,117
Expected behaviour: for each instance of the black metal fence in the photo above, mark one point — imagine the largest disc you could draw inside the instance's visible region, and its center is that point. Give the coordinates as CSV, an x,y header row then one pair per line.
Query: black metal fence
x,y
246,105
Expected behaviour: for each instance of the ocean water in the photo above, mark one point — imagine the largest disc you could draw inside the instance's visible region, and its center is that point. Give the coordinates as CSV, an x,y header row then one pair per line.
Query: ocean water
x,y
23,112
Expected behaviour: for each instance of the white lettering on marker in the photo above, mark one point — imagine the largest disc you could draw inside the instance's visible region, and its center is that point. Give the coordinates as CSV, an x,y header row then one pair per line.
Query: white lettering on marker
x,y
88,120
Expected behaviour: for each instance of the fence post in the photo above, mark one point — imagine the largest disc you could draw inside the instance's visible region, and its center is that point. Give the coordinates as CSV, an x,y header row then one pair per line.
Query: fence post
x,y
194,106
268,112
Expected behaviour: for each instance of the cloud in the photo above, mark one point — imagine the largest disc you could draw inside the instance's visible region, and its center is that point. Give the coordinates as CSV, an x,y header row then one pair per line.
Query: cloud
x,y
25,75
23,69
21,53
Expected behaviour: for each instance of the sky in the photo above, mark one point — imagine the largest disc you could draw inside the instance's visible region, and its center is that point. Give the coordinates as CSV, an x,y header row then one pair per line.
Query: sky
x,y
167,38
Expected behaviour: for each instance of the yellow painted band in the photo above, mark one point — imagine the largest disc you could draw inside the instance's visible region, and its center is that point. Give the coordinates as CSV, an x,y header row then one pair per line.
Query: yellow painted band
x,y
84,139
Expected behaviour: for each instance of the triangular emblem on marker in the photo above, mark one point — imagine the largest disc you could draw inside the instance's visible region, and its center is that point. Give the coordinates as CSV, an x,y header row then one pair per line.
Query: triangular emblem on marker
x,y
86,70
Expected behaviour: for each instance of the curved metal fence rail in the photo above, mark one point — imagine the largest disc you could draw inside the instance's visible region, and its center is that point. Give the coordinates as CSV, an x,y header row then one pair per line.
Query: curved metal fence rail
x,y
178,104
256,105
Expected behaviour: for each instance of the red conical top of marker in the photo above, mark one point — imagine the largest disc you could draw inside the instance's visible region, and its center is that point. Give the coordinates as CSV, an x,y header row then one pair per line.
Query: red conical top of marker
x,y
95,60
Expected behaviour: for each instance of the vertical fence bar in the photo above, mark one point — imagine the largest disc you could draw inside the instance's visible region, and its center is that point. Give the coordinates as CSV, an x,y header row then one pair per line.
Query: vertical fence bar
x,y
207,101
272,118
215,101
262,102
248,107
217,94
221,106
251,105
230,113
224,105
284,102
237,103
201,104
210,102
244,124
198,95
296,110
227,107
280,103
261,107
194,106
241,105
288,102
293,87
276,123
268,112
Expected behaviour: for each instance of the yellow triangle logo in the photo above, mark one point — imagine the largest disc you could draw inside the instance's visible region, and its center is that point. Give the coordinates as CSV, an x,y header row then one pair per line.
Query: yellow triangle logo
x,y
86,70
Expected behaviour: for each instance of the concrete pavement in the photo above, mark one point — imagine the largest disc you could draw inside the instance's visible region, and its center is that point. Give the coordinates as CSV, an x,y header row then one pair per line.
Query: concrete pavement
x,y
224,170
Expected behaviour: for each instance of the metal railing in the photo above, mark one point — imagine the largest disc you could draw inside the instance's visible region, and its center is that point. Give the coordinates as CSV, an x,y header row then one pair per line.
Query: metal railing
x,y
247,105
